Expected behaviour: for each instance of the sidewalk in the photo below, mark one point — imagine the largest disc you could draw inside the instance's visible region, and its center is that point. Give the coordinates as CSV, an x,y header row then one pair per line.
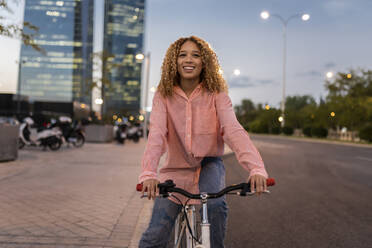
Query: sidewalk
x,y
74,197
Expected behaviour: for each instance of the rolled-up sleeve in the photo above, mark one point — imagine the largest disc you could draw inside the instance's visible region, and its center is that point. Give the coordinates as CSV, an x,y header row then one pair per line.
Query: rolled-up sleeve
x,y
156,144
237,138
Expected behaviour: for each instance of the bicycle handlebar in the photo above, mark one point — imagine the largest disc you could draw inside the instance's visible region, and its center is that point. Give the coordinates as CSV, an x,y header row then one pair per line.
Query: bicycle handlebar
x,y
169,187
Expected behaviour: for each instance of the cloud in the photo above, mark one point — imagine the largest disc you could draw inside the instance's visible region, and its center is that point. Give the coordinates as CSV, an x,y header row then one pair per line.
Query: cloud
x,y
311,73
247,82
342,7
330,65
265,81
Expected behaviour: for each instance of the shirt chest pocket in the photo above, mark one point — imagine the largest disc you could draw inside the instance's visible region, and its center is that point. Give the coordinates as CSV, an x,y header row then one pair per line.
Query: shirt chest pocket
x,y
205,121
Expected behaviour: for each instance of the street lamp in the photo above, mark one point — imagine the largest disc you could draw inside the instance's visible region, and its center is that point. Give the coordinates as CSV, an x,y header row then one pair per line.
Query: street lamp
x,y
329,75
98,101
146,57
305,17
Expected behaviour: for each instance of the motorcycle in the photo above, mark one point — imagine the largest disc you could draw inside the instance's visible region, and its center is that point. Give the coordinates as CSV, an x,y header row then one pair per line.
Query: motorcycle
x,y
121,133
134,133
72,132
124,131
46,137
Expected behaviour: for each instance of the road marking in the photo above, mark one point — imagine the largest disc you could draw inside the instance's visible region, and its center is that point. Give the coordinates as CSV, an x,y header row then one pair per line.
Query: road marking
x,y
364,158
272,145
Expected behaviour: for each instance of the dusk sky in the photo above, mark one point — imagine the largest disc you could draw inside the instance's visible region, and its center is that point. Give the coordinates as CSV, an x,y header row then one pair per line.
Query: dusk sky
x,y
337,37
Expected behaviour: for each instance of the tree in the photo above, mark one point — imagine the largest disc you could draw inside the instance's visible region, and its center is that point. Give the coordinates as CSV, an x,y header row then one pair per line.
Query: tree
x,y
13,30
349,98
246,112
295,115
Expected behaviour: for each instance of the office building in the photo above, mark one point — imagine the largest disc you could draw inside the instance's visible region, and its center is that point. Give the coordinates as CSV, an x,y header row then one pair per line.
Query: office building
x,y
63,72
123,39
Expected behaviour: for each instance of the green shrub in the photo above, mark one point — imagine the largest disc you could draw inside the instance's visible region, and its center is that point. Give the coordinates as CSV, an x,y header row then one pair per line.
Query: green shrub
x,y
320,132
246,127
307,131
365,133
275,130
288,130
258,127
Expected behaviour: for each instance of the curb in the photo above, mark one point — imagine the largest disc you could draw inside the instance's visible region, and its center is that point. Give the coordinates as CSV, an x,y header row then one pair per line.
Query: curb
x,y
312,140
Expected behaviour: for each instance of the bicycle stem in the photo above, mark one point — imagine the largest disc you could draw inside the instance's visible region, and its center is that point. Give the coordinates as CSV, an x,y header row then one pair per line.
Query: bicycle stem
x,y
205,226
205,209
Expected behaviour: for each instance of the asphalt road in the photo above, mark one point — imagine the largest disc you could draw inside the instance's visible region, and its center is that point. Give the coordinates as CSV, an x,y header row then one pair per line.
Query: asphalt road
x,y
323,197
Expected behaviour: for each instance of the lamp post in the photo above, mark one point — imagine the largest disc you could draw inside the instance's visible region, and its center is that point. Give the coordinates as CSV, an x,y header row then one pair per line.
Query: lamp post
x,y
329,75
146,57
305,17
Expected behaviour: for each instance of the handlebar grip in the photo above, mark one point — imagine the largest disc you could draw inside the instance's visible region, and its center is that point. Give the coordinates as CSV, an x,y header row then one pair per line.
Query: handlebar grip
x,y
270,182
139,187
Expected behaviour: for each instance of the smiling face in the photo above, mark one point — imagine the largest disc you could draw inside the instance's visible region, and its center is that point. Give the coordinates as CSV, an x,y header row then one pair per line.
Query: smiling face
x,y
189,61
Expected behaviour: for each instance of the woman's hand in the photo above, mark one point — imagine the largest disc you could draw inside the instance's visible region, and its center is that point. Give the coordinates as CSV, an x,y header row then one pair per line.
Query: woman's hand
x,y
151,186
258,184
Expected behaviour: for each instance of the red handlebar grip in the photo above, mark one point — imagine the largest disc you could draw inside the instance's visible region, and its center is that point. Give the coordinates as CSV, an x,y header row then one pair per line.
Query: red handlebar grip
x,y
139,187
270,182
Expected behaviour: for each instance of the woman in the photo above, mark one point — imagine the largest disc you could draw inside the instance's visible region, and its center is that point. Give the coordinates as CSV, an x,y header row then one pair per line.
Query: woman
x,y
191,118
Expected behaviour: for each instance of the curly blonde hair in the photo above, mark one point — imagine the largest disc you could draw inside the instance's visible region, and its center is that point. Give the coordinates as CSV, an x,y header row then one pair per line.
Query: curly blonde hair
x,y
210,76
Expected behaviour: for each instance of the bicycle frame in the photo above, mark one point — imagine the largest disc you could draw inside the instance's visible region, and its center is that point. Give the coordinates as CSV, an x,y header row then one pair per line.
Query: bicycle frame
x,y
181,227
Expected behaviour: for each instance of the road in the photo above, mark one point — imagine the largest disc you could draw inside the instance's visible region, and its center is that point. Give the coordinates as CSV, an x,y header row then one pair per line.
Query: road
x,y
323,197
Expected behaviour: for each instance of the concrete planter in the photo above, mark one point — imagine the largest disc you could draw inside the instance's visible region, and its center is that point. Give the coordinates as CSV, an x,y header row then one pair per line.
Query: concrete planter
x,y
99,133
8,142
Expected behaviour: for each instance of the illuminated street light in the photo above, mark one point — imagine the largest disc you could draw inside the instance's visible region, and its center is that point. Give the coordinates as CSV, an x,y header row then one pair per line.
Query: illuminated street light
x,y
99,101
267,107
141,118
265,15
236,72
329,75
140,56
333,114
305,17
114,117
281,119
348,75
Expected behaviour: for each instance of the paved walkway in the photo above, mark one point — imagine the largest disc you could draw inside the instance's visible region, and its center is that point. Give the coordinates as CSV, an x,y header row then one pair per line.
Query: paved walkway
x,y
75,197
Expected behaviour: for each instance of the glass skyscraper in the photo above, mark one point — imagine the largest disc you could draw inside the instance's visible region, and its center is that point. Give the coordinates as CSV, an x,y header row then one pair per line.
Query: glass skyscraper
x,y
63,73
123,39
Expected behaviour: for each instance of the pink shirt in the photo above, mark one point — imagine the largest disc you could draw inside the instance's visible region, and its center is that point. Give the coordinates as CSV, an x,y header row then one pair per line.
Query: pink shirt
x,y
189,129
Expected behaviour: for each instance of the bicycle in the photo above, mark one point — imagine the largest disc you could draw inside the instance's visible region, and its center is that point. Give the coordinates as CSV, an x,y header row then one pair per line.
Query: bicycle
x,y
185,226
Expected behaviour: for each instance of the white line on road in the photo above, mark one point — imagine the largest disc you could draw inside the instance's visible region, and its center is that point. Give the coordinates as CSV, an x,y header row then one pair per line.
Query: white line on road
x,y
364,158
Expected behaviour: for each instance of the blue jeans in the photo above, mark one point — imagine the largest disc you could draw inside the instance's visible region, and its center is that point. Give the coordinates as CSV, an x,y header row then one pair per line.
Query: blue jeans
x,y
212,179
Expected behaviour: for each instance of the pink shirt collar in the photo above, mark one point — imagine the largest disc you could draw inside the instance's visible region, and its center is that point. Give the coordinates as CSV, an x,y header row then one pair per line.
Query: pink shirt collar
x,y
194,93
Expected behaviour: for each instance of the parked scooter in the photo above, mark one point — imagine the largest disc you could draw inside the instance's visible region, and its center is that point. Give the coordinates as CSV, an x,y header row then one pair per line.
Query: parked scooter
x,y
126,130
121,133
134,132
45,136
72,132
